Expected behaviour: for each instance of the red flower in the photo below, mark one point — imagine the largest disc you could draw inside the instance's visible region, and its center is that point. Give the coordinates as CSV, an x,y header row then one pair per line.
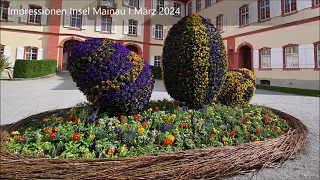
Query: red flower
x,y
21,138
268,123
42,156
255,140
55,129
52,135
244,121
47,130
144,124
157,108
178,108
167,142
233,133
70,117
271,115
276,128
122,117
76,136
258,131
266,118
78,120
137,117
185,125
166,121
282,132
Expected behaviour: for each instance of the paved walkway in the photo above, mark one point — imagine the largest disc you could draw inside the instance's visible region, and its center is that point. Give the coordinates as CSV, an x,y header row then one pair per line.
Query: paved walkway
x,y
20,99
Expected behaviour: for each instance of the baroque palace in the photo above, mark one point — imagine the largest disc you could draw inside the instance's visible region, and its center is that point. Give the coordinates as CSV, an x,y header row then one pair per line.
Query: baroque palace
x,y
277,39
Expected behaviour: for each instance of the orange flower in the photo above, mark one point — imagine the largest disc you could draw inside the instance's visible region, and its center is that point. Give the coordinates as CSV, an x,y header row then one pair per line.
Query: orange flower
x,y
276,128
233,133
76,136
55,129
185,125
266,118
282,132
110,152
166,121
271,115
122,117
103,82
52,135
47,130
137,117
189,115
258,131
246,133
239,111
21,138
78,120
144,124
178,108
157,108
213,135
255,140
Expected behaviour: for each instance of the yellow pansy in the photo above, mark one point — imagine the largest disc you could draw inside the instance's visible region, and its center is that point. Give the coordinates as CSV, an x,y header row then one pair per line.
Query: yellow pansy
x,y
15,132
59,118
173,116
140,130
170,137
225,139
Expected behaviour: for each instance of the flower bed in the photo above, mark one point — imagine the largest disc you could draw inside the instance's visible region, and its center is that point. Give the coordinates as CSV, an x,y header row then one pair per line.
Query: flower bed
x,y
200,162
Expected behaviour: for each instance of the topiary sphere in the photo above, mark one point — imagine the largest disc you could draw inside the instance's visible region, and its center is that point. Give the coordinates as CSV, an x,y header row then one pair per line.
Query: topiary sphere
x,y
238,88
112,78
194,61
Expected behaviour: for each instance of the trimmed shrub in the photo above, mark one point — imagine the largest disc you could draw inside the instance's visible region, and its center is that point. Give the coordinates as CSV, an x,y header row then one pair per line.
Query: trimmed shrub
x,y
34,68
194,61
157,72
113,79
239,87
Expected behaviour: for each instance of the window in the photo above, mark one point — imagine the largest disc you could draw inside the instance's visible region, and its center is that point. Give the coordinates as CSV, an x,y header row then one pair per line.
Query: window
x,y
220,22
34,14
198,5
106,24
315,3
31,53
76,20
177,9
1,49
291,57
290,6
159,30
132,27
244,15
107,3
265,58
159,7
208,3
157,61
190,8
134,3
264,7
318,54
4,10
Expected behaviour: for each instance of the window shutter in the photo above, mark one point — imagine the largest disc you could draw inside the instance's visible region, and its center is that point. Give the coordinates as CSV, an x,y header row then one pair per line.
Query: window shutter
x,y
165,32
141,3
255,58
11,16
307,4
183,10
153,31
236,18
24,16
300,4
126,2
213,1
20,53
154,4
203,4
113,27
253,12
84,21
194,6
275,8
152,61
67,19
40,54
125,26
7,52
309,50
277,58
224,22
44,17
302,56
98,23
139,28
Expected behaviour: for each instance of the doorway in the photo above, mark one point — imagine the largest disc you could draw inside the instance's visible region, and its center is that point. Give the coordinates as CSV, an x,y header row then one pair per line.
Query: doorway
x,y
245,57
67,47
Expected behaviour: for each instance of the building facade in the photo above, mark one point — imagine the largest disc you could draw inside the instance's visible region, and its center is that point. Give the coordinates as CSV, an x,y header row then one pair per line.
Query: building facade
x,y
277,39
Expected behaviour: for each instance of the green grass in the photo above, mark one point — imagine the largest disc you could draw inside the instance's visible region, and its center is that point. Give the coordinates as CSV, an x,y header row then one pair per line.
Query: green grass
x,y
305,92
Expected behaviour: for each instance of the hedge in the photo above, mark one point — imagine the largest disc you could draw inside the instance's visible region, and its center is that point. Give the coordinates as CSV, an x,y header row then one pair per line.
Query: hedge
x,y
34,68
156,72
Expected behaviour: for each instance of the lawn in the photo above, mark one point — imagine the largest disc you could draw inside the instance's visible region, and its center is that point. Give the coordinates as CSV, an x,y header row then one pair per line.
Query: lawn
x,y
305,92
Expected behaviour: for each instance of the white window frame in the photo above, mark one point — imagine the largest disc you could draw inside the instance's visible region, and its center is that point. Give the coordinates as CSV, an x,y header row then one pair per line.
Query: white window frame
x,y
292,57
244,14
177,6
134,3
316,2
132,27
265,58
159,31
160,6
318,54
209,2
75,16
190,8
198,5
4,10
290,6
157,61
31,53
264,7
220,22
36,17
105,24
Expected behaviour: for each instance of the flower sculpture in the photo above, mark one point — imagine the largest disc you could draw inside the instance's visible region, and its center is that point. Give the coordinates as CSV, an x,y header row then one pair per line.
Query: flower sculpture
x,y
194,61
239,87
112,78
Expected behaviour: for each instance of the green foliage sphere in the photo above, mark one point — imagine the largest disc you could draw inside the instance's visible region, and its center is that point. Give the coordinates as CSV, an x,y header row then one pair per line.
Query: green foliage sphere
x,y
194,61
239,87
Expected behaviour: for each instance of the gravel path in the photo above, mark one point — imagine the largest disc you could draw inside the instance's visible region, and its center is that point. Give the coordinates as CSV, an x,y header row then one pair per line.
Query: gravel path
x,y
20,99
